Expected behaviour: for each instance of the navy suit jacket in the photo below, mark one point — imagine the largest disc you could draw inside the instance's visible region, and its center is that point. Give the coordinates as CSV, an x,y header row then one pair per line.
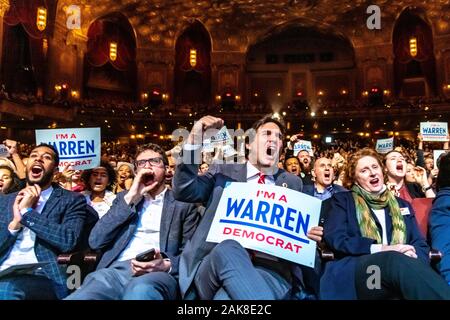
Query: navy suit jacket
x,y
58,228
208,188
343,237
114,230
440,229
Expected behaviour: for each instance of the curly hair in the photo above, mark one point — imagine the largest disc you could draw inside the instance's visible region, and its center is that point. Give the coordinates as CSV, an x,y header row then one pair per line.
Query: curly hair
x,y
350,170
15,184
86,175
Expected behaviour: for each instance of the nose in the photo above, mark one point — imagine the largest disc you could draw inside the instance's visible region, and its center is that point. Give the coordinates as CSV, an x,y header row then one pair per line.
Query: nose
x,y
147,165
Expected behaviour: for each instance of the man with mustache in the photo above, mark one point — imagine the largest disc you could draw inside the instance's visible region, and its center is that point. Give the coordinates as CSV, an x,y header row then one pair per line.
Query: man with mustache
x,y
226,270
145,217
37,224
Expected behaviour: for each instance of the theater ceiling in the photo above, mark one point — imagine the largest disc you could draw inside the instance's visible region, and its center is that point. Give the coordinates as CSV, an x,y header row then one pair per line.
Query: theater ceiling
x,y
235,25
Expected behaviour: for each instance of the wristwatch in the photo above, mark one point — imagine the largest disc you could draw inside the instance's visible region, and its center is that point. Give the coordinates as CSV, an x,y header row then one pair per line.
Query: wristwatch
x,y
426,189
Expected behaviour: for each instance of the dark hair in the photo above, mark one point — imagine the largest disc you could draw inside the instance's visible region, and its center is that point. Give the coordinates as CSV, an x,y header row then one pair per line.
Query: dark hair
x,y
400,152
15,185
86,175
290,157
51,147
350,170
154,147
443,178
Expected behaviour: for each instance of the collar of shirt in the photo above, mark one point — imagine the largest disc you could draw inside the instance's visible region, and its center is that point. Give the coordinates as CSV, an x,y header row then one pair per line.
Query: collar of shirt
x,y
327,189
253,174
325,194
159,197
44,196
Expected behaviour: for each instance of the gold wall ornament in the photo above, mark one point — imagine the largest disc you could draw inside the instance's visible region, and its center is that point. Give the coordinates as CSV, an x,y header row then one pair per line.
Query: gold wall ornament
x,y
193,57
113,51
413,46
41,18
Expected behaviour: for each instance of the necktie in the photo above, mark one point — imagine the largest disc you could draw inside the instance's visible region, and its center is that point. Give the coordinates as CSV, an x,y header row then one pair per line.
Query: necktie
x,y
262,178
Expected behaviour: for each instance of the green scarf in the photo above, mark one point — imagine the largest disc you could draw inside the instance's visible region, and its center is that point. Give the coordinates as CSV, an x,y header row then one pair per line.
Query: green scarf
x,y
367,225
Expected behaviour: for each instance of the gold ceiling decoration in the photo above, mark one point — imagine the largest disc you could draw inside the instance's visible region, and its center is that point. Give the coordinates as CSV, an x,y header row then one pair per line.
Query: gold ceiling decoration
x,y
234,25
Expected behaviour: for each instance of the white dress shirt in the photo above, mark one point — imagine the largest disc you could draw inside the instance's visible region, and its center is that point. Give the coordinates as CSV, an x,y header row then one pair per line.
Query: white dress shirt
x,y
381,216
147,233
23,250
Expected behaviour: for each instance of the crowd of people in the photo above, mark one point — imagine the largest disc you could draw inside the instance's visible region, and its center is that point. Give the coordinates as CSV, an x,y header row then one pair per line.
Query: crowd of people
x,y
165,198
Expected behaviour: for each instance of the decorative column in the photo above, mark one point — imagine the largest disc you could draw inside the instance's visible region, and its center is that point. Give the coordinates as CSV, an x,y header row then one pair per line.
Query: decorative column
x,y
4,6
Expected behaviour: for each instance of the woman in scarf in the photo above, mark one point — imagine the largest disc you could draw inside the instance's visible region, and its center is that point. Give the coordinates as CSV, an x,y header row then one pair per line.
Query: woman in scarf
x,y
379,251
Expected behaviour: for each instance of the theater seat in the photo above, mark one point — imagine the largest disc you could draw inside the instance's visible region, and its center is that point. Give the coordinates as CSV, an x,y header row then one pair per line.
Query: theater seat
x,y
82,256
422,209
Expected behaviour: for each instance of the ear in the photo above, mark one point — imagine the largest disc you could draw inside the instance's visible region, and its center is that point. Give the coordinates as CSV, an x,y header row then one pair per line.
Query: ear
x,y
313,173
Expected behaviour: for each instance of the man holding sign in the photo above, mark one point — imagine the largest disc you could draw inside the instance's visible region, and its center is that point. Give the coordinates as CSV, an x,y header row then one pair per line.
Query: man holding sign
x,y
227,270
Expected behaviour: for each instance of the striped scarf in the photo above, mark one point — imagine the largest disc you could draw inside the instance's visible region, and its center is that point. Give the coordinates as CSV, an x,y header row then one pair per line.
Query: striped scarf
x,y
365,200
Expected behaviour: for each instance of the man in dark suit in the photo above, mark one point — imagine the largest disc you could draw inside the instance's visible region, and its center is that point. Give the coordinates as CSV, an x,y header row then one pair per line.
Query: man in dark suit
x,y
225,270
323,187
36,224
145,217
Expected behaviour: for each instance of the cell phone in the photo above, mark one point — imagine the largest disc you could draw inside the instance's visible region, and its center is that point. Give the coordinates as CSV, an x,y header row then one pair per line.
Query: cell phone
x,y
146,256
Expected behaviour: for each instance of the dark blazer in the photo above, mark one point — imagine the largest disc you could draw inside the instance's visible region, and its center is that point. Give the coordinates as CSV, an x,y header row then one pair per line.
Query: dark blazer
x,y
326,204
343,237
440,229
309,189
115,229
208,188
58,228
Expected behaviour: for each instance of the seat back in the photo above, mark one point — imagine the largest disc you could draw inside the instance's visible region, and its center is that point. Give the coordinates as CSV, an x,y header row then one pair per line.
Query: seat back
x,y
422,208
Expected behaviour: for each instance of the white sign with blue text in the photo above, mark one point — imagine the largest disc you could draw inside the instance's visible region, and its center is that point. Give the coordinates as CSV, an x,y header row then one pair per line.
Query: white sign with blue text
x,y
434,131
385,145
269,219
77,147
303,145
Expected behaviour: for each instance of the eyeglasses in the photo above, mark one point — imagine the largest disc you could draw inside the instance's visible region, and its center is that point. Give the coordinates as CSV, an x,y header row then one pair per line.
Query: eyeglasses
x,y
154,162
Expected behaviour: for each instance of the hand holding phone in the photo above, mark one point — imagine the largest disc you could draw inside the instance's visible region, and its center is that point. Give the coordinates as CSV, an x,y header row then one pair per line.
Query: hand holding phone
x,y
146,256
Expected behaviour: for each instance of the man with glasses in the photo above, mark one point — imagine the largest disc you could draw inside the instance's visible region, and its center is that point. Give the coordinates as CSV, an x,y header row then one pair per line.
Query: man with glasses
x,y
145,217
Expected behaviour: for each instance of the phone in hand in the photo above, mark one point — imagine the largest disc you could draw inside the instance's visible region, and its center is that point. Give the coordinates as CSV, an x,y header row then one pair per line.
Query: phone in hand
x,y
146,256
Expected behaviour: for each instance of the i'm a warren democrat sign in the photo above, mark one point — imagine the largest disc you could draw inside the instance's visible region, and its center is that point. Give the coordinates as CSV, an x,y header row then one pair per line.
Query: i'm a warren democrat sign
x,y
434,131
78,147
384,145
267,218
302,145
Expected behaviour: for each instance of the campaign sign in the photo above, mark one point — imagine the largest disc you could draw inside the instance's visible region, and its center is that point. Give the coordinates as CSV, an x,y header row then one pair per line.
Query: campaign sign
x,y
436,155
4,152
78,147
434,131
303,145
269,219
384,145
221,140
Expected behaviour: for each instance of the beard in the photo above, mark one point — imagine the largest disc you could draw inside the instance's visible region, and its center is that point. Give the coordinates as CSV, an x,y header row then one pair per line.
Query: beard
x,y
46,178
